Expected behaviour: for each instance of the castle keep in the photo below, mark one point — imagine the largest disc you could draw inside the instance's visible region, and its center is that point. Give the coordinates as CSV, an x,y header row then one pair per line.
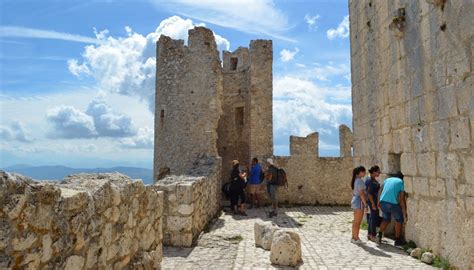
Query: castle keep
x,y
205,109
413,110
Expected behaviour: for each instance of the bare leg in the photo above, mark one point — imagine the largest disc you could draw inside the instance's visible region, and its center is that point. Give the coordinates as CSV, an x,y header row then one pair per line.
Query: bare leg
x,y
358,215
398,230
383,226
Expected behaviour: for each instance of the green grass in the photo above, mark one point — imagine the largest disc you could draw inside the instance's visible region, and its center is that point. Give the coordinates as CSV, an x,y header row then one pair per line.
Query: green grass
x,y
442,263
236,238
409,245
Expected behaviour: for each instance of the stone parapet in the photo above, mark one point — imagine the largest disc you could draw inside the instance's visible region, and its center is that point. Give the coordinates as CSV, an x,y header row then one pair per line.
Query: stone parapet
x,y
190,202
87,221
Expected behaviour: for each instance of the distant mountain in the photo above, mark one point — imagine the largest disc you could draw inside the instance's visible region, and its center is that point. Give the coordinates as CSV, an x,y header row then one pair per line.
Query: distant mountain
x,y
59,172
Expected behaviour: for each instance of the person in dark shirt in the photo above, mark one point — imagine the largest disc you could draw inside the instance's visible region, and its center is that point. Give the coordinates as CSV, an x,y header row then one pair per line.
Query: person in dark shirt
x,y
372,189
272,188
237,189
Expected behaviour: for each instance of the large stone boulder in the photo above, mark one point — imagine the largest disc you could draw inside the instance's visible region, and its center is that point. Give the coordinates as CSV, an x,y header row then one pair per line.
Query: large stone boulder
x,y
264,234
286,248
427,257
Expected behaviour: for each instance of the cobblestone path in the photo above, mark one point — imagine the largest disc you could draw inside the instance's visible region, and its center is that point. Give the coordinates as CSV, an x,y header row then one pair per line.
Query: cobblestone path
x,y
325,238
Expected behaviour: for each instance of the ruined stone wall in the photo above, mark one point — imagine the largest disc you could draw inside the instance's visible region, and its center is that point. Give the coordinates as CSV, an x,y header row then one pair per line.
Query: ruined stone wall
x,y
313,179
245,128
190,202
233,131
188,100
413,109
316,180
305,146
260,102
88,221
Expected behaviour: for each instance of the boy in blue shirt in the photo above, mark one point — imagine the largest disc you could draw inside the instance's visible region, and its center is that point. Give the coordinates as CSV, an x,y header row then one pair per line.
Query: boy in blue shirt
x,y
254,182
392,201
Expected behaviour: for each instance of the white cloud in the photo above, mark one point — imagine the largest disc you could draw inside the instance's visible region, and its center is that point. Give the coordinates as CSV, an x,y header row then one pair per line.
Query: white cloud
x,y
98,121
342,30
250,16
302,107
311,21
126,65
24,32
108,123
287,55
143,140
69,122
16,131
77,69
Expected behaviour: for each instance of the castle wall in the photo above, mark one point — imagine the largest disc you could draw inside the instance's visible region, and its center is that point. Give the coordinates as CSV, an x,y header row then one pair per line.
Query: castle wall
x,y
188,101
312,179
190,202
233,130
261,99
413,109
316,180
245,128
88,221
305,146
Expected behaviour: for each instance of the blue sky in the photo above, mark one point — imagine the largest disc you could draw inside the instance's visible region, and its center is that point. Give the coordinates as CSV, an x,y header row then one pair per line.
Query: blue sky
x,y
77,77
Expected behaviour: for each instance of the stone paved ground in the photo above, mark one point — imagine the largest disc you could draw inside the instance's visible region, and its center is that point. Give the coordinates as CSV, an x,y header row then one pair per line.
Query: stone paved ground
x,y
325,235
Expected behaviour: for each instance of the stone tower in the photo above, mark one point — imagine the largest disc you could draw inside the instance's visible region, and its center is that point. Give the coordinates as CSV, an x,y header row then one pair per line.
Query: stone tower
x,y
245,128
188,101
413,110
203,108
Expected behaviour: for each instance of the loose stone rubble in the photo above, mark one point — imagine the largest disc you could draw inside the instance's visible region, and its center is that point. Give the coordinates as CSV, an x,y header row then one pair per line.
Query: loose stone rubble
x,y
263,233
87,221
286,248
427,257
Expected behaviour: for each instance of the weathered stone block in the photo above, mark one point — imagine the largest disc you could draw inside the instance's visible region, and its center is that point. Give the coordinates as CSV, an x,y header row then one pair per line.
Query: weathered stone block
x,y
460,137
408,164
437,188
421,186
426,163
448,165
286,248
263,233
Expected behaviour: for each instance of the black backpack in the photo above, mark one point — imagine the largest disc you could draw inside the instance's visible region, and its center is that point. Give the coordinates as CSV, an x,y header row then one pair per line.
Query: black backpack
x,y
226,190
281,180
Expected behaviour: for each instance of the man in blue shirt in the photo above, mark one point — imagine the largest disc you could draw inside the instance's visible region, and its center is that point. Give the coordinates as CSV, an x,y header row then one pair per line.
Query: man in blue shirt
x,y
254,182
392,202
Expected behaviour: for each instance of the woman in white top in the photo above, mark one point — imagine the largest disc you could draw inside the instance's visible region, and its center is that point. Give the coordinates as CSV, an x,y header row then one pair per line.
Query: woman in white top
x,y
359,201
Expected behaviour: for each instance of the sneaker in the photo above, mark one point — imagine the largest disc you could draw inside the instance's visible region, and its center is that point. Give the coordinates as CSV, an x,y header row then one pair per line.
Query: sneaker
x,y
400,242
357,242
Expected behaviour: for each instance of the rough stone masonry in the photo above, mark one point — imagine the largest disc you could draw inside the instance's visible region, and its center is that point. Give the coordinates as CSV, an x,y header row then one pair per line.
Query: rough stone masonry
x,y
203,107
413,110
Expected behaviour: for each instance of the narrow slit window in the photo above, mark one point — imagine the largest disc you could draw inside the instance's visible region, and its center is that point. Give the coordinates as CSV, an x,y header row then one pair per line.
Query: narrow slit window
x,y
239,116
162,114
233,63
